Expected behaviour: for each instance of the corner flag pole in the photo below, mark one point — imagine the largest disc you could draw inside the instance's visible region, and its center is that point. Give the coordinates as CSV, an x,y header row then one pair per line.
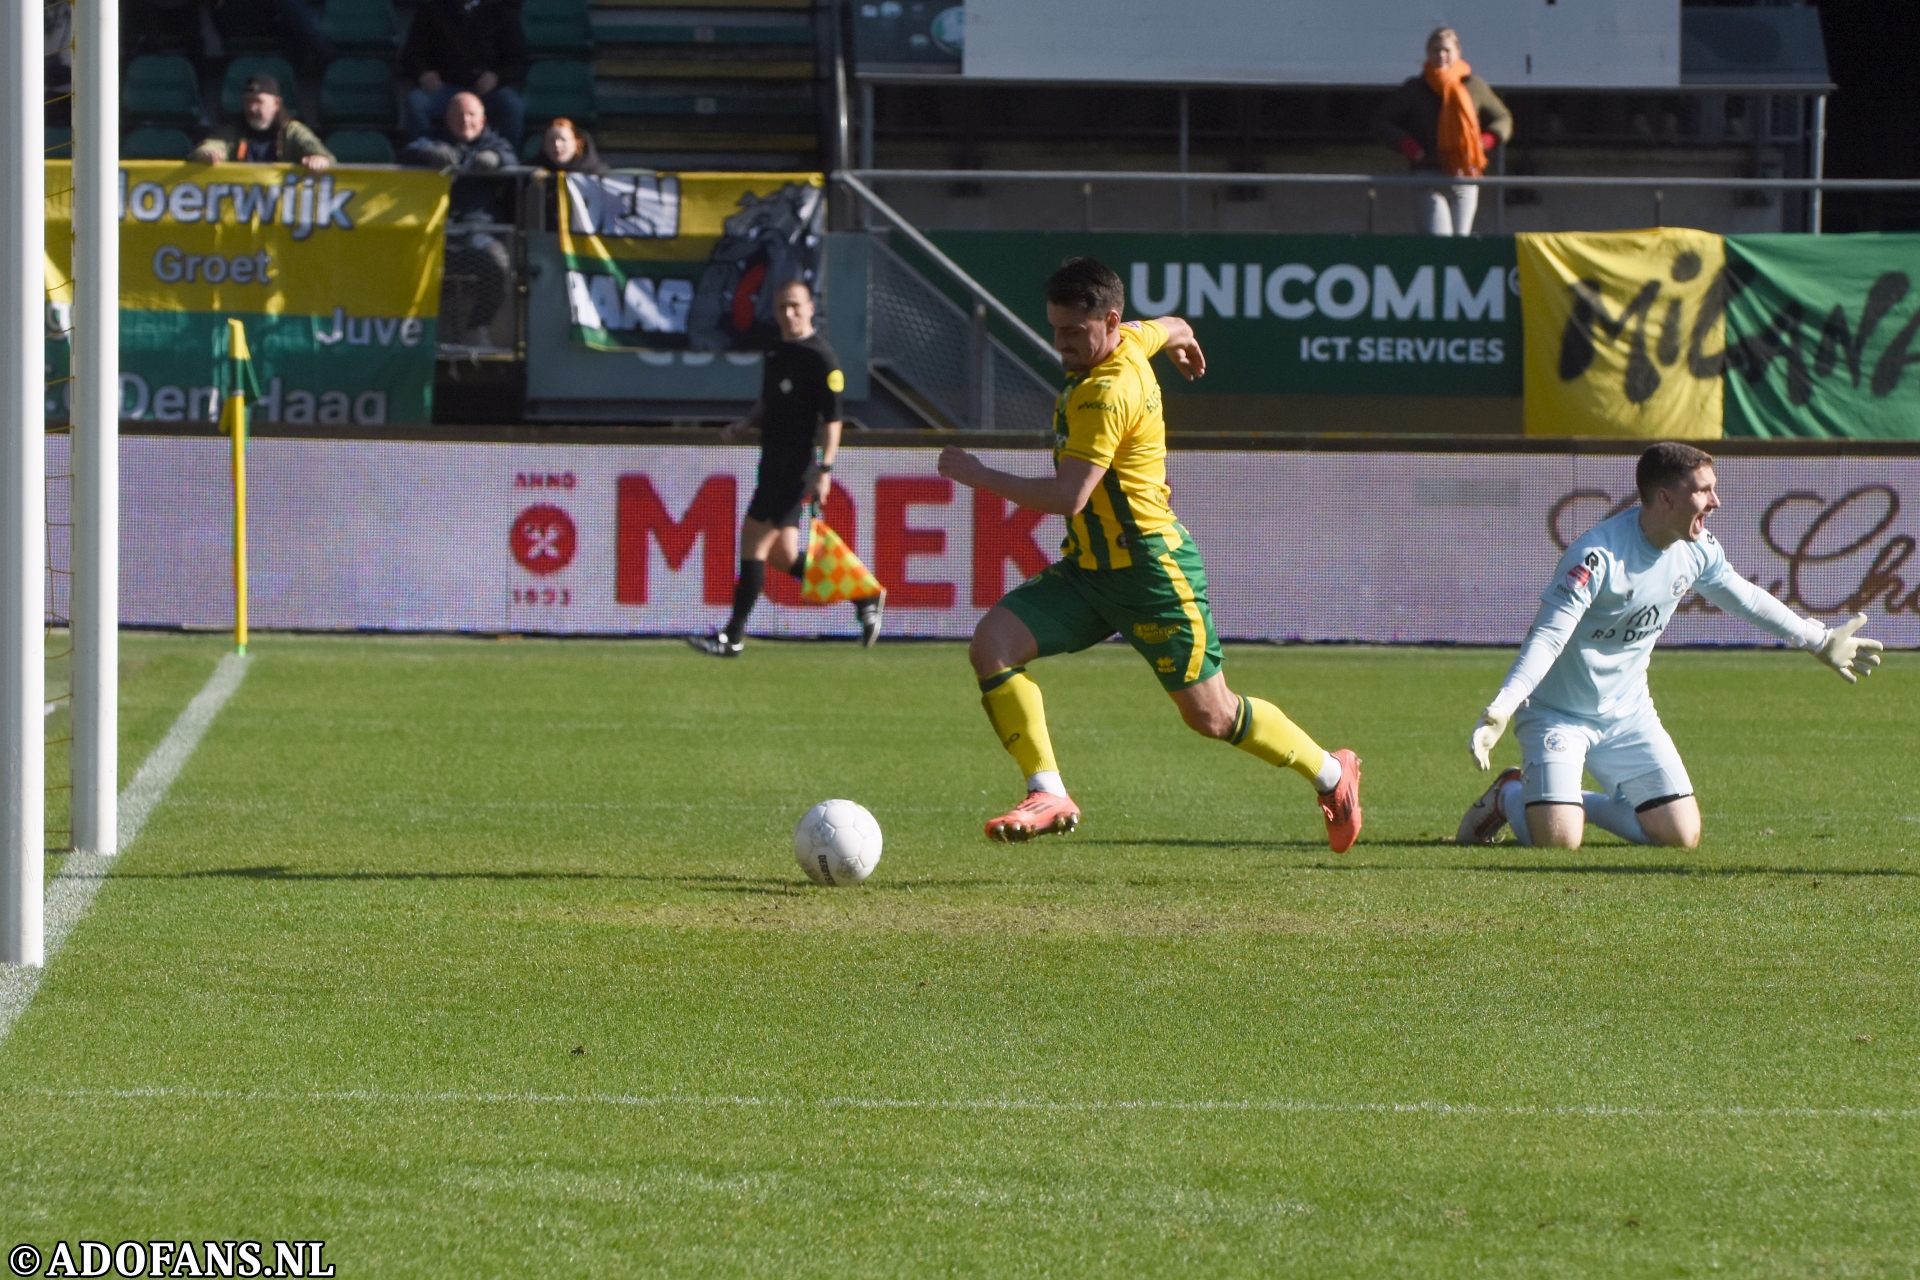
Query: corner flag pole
x,y
23,488
96,426
233,421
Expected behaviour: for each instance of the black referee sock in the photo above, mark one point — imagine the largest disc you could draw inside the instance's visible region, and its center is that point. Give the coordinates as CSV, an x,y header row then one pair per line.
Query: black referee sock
x,y
753,579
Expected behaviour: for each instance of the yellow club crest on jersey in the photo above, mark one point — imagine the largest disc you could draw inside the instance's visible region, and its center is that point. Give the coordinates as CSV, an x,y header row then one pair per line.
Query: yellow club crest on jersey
x,y
836,380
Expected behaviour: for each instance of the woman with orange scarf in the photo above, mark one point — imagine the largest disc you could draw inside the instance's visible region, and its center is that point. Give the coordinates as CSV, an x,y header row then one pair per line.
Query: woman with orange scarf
x,y
1445,120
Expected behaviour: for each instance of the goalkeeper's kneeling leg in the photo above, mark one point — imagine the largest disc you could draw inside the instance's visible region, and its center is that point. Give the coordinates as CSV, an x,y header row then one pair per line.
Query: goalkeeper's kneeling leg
x,y
1674,823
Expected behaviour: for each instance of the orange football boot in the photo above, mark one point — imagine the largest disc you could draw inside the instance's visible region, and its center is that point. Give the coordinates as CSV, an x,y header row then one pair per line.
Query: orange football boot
x,y
1341,806
1041,814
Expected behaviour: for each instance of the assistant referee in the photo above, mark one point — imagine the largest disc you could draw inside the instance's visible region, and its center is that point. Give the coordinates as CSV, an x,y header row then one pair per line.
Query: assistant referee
x,y
798,417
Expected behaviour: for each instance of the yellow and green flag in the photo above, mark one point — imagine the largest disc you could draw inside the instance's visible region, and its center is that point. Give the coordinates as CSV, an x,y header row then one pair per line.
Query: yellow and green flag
x,y
1824,336
686,261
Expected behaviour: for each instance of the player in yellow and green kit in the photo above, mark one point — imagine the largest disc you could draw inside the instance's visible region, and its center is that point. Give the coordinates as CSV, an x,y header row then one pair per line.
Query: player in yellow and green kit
x,y
1129,566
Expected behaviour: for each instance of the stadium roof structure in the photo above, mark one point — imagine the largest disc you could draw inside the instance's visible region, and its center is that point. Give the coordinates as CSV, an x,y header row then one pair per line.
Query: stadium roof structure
x,y
1779,50
1773,49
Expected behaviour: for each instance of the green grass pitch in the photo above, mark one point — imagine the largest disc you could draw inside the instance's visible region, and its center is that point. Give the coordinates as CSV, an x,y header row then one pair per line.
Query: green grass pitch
x,y
478,958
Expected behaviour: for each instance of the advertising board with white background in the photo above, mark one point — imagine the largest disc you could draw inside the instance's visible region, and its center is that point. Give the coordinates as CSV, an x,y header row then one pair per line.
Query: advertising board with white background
x,y
615,540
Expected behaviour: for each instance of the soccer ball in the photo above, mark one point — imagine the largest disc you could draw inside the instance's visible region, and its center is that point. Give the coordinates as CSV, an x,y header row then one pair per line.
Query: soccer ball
x,y
836,843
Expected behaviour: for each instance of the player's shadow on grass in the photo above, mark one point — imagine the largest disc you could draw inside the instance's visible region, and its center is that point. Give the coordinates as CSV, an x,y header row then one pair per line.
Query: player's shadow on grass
x,y
763,885
1675,869
1615,869
1173,842
285,874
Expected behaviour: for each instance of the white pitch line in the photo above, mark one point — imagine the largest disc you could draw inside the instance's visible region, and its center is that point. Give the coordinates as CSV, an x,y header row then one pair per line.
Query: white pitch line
x,y
708,1102
73,890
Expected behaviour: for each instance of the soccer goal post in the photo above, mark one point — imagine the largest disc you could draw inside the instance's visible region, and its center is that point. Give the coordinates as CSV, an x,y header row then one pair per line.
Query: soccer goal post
x,y
96,426
30,593
23,486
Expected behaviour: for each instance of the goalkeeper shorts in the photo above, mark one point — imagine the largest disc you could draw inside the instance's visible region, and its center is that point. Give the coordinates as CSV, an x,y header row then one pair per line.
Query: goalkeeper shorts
x,y
1158,603
1632,756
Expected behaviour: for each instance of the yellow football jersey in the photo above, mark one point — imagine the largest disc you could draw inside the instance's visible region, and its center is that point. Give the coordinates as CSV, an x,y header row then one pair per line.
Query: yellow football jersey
x,y
1110,416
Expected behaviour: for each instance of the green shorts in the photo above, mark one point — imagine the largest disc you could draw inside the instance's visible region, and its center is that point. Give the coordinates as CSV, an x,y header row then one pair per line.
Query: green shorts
x,y
1159,603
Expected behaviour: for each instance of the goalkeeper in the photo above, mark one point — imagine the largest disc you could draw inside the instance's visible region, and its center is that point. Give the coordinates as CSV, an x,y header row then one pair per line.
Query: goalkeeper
x,y
1577,695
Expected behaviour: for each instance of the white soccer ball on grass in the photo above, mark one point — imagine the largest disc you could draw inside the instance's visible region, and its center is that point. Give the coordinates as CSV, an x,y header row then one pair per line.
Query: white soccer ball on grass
x,y
837,843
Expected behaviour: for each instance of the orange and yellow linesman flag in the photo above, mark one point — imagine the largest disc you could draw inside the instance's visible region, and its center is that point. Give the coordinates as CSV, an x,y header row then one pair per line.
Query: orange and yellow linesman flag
x,y
834,573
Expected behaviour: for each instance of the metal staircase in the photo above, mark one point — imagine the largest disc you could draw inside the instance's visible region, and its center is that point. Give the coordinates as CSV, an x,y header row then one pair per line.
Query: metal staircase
x,y
940,362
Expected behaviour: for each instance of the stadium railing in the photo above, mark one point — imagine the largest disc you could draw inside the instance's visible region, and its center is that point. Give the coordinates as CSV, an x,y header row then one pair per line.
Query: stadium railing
x,y
944,352
939,357
1656,187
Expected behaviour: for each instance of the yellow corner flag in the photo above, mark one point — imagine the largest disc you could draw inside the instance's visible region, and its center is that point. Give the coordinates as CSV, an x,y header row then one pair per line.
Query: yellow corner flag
x,y
233,410
233,423
834,573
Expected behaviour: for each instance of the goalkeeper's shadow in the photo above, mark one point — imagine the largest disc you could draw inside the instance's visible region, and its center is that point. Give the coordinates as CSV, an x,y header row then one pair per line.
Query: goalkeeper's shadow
x,y
1676,869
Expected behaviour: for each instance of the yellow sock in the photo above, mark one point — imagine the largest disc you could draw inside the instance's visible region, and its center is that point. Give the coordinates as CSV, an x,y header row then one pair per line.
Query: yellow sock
x,y
1019,716
1262,729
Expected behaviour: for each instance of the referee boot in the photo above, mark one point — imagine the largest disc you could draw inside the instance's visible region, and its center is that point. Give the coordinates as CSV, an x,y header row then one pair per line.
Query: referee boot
x,y
869,612
718,645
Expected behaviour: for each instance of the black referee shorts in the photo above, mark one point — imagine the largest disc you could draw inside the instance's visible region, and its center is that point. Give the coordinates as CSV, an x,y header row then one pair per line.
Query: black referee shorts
x,y
779,500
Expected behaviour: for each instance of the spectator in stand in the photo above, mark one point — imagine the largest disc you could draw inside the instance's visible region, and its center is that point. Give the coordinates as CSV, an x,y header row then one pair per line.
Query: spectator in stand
x,y
293,24
1445,120
266,133
479,270
463,143
567,148
470,45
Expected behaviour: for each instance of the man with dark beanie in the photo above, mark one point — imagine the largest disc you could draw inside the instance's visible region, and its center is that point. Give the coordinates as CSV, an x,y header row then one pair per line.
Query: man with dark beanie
x,y
266,133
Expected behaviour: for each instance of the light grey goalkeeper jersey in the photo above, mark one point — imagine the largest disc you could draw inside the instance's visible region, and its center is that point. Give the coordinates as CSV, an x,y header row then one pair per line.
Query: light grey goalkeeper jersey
x,y
1612,595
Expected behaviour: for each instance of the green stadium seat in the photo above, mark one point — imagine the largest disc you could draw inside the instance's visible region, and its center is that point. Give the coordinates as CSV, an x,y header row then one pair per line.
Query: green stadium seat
x,y
557,28
160,89
59,144
361,26
357,91
236,80
557,89
155,144
360,146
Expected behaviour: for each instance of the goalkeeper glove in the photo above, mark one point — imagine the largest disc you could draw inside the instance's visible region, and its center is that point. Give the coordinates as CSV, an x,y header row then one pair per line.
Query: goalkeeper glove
x,y
1851,656
1493,723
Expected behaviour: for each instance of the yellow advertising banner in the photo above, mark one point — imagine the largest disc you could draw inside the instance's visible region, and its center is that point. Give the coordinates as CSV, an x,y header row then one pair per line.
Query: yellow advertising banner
x,y
192,244
334,277
1625,333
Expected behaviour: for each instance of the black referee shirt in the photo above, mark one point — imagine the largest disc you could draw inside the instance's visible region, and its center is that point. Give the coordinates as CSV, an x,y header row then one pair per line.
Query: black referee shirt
x,y
800,385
